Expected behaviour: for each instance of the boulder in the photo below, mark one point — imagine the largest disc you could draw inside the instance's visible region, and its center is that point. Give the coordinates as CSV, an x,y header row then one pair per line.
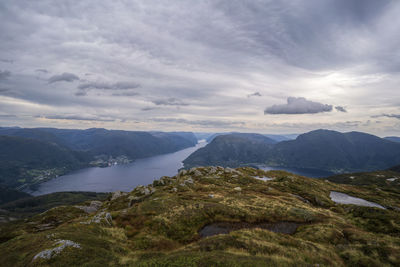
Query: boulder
x,y
61,245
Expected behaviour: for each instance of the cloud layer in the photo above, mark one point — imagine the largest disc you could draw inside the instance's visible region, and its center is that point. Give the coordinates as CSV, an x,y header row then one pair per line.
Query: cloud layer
x,y
192,65
64,77
298,105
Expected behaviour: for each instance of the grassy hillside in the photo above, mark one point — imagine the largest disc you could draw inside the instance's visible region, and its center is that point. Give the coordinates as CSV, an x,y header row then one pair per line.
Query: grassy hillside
x,y
28,206
287,221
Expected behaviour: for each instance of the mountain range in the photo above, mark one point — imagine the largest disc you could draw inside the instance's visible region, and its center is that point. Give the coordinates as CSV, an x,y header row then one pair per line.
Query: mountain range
x,y
30,156
321,149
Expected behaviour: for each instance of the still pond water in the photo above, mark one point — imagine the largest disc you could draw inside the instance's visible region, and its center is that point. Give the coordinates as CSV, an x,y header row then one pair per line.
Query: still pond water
x,y
126,177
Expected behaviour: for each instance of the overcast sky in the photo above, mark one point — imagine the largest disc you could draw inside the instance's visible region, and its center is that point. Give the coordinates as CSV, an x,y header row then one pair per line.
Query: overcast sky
x,y
278,66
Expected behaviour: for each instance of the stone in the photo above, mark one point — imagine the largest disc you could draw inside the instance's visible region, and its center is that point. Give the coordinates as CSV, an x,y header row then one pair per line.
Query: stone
x,y
133,200
103,217
211,195
182,173
117,194
50,253
197,173
93,207
300,198
237,189
212,170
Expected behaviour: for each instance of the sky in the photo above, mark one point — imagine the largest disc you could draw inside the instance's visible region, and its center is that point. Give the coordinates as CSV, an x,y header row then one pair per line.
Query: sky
x,y
267,66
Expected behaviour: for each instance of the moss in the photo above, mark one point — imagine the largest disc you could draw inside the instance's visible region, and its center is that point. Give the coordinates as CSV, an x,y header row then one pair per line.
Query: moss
x,y
162,228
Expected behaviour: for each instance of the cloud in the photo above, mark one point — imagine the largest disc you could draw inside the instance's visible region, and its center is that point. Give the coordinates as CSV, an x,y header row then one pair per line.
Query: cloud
x,y
340,109
222,52
169,102
4,74
108,86
75,118
203,123
126,94
7,116
7,61
298,105
254,94
396,116
147,109
42,70
64,77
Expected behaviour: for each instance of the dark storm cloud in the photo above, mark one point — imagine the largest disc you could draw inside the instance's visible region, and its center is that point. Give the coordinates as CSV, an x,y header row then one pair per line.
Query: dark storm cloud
x,y
64,77
340,109
108,86
4,74
169,102
254,94
298,105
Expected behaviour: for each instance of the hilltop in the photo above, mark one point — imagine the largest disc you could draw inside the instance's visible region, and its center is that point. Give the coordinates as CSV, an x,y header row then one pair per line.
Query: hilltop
x,y
211,216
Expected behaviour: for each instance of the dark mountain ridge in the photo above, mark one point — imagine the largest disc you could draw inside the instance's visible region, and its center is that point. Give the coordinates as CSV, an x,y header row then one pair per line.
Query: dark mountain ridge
x,y
31,156
231,150
319,149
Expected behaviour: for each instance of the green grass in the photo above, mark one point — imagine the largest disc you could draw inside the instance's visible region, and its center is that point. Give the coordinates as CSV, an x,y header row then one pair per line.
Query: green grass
x,y
161,228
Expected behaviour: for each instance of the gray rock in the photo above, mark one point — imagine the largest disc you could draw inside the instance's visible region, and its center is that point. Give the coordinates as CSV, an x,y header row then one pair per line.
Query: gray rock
x,y
117,194
94,206
212,170
182,173
189,181
50,253
300,198
103,218
197,173
237,189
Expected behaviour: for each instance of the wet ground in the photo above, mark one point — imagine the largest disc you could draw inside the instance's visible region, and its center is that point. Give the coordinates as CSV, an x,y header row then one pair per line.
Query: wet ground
x,y
343,198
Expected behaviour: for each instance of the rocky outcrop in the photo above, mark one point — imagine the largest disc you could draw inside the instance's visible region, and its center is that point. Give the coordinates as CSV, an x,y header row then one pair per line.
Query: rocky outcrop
x,y
93,207
61,245
103,217
117,194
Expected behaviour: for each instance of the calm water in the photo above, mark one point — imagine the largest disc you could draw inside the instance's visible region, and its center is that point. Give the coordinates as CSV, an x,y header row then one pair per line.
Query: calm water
x,y
120,177
141,172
